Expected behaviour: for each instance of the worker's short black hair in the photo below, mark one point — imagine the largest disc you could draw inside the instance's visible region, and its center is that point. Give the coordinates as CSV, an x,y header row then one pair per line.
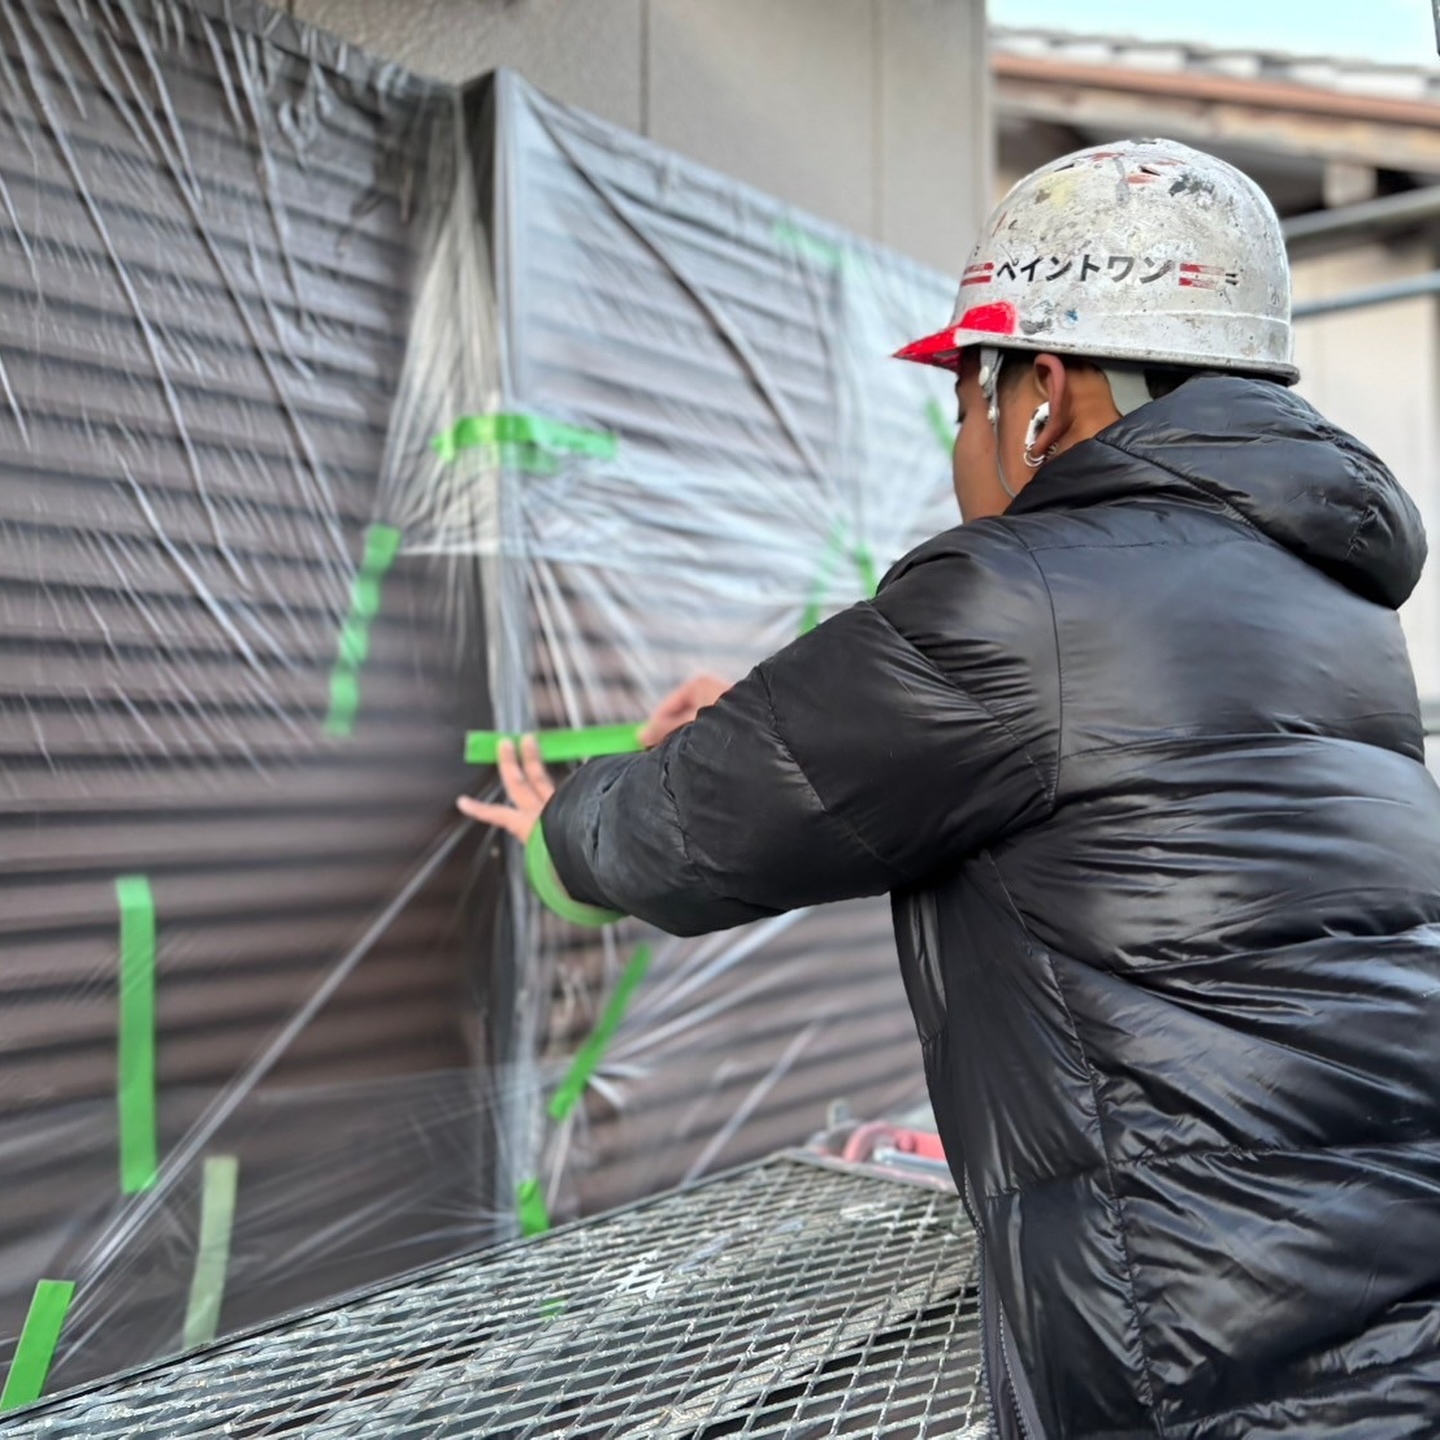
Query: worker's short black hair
x,y
1163,380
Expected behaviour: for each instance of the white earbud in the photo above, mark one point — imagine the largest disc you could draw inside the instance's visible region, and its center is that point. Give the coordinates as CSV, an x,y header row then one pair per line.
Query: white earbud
x,y
1038,422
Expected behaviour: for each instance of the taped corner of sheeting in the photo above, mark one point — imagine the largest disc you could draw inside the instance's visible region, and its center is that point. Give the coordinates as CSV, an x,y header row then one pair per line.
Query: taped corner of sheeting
x,y
530,1207
558,747
523,442
864,563
382,545
943,428
592,1052
35,1350
135,1064
218,1191
809,246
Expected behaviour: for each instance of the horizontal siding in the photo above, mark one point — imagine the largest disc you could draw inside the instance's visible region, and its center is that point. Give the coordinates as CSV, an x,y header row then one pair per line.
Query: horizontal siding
x,y
208,251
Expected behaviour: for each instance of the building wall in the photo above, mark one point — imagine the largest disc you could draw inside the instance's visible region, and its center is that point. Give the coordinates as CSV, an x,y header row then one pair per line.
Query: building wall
x,y
869,113
1376,372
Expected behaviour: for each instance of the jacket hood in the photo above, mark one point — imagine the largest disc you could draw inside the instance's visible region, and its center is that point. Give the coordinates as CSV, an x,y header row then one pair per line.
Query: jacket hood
x,y
1259,451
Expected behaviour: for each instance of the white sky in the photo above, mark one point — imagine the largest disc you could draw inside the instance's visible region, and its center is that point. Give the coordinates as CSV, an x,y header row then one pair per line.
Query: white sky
x,y
1393,31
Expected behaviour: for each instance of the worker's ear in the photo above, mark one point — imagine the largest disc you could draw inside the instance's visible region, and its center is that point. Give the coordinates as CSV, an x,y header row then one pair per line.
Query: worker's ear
x,y
1049,383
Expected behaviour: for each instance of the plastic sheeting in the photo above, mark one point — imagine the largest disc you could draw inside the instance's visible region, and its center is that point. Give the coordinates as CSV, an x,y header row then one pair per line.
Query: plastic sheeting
x,y
339,414
770,459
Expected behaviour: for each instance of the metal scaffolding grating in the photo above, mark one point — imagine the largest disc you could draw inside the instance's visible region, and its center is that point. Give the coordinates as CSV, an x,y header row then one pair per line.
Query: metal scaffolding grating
x,y
788,1299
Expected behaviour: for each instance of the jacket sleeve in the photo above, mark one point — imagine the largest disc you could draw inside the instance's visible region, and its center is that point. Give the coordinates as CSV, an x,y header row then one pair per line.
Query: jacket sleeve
x,y
881,748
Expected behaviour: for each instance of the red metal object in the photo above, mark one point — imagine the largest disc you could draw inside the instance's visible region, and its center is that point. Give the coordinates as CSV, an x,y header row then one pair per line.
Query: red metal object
x,y
866,1139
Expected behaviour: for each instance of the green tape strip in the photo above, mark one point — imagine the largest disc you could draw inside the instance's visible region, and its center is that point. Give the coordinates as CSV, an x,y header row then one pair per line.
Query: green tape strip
x,y
530,1206
482,747
587,1058
540,872
135,1080
352,649
212,1258
864,563
811,247
36,1347
943,428
528,442
820,586
865,567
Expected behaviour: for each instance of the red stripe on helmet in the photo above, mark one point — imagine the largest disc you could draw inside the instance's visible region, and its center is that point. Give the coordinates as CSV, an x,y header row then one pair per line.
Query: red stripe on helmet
x,y
997,318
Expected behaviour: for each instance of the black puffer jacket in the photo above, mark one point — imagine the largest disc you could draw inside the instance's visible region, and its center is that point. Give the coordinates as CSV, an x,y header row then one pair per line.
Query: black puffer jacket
x,y
1142,765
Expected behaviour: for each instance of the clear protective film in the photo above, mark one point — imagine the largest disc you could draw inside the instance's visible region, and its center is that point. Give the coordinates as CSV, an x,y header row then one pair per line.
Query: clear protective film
x,y
342,414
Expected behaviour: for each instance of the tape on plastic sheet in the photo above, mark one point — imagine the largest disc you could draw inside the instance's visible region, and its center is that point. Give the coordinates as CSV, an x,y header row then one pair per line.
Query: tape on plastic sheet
x,y
540,872
530,1208
212,1258
528,442
835,550
135,1061
35,1350
943,429
790,236
382,545
557,747
588,1057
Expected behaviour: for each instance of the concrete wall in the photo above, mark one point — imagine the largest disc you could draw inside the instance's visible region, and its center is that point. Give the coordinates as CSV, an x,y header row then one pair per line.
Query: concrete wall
x,y
869,113
1376,372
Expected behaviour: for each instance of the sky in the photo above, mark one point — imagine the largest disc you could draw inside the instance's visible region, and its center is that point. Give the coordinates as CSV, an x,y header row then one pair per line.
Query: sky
x,y
1391,31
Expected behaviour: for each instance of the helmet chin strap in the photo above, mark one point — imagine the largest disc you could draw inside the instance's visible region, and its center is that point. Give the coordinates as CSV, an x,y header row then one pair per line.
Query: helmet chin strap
x,y
1127,387
1128,391
991,359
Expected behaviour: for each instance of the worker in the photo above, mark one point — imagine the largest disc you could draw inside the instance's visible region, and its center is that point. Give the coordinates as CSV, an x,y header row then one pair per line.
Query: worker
x,y
1136,751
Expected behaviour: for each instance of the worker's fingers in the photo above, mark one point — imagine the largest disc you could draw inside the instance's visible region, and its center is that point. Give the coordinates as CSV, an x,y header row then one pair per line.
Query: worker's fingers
x,y
518,788
658,726
535,772
504,817
681,706
706,690
676,709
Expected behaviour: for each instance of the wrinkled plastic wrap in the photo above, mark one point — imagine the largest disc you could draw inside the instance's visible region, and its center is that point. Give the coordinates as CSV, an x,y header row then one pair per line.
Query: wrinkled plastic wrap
x,y
340,414
770,461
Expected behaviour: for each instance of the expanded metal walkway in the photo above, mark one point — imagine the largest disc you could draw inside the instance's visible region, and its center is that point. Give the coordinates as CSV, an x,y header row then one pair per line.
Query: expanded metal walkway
x,y
789,1299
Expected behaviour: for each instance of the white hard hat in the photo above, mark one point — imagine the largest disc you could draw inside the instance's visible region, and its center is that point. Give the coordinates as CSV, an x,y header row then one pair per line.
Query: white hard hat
x,y
1143,251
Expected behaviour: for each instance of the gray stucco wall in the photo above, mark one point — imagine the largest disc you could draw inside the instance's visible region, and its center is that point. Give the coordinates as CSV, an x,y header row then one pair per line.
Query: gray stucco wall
x,y
870,113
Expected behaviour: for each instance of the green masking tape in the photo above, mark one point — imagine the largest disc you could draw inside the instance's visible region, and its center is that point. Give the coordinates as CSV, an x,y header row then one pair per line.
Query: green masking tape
x,y
557,747
352,649
587,1058
212,1258
810,246
865,568
540,872
529,442
530,1206
35,1349
135,1090
943,428
864,564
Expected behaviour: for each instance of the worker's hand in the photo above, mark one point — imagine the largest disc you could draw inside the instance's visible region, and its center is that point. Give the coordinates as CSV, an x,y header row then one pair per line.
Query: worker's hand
x,y
527,786
681,706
